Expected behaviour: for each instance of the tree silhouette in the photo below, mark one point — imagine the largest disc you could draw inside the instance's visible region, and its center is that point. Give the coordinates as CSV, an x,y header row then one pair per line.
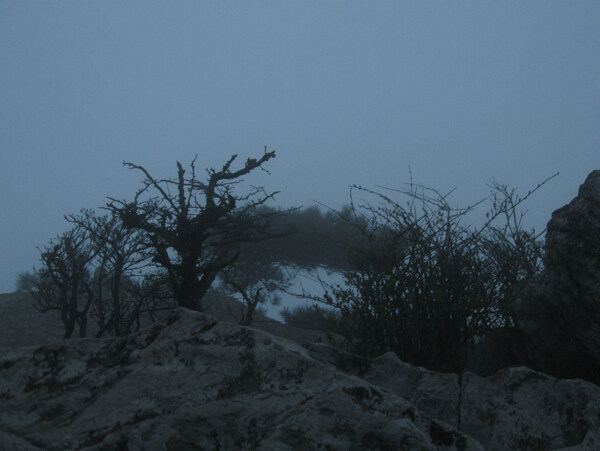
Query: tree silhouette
x,y
426,286
63,280
120,253
193,229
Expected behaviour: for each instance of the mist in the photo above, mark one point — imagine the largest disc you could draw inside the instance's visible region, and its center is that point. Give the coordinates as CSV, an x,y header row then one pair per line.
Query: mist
x,y
347,93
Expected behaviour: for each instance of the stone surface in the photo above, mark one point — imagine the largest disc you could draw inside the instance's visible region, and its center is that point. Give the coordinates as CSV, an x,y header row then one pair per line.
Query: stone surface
x,y
197,382
558,313
517,408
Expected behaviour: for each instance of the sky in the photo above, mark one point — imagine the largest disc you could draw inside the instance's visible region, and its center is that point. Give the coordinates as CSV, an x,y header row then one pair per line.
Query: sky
x,y
346,92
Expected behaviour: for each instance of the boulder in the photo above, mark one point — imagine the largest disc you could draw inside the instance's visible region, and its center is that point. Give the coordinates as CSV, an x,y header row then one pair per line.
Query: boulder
x,y
558,312
194,381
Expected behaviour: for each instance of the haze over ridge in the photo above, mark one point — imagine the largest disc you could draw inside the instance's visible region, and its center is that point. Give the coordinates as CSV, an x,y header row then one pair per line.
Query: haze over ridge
x,y
346,92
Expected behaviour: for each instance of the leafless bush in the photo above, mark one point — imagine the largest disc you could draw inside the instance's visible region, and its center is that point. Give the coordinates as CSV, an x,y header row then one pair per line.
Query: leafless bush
x,y
425,284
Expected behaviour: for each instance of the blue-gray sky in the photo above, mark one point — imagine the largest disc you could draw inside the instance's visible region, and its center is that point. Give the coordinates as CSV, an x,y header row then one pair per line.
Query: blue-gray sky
x,y
346,92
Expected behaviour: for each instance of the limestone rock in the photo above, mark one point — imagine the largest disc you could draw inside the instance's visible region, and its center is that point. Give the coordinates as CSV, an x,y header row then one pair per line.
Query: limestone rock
x,y
196,382
517,408
558,312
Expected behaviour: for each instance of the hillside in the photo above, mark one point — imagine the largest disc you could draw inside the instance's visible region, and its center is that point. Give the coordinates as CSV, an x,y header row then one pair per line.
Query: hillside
x,y
22,325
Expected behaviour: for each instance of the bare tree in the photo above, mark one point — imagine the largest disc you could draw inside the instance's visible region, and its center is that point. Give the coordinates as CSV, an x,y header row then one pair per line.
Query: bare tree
x,y
193,229
63,281
120,255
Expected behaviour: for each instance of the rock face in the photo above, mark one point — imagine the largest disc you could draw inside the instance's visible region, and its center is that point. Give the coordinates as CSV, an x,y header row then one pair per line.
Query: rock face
x,y
196,382
558,313
517,408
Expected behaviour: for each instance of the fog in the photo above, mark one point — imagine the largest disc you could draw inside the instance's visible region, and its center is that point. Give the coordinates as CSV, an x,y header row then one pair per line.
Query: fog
x,y
345,92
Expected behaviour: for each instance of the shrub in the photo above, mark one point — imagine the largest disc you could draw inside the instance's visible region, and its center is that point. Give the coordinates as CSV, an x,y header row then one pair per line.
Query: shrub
x,y
427,286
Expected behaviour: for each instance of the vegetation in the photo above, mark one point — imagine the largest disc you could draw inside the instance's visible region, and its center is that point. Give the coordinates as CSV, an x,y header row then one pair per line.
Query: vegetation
x,y
90,271
257,280
313,317
64,282
321,238
419,281
192,229
425,285
26,281
117,299
163,249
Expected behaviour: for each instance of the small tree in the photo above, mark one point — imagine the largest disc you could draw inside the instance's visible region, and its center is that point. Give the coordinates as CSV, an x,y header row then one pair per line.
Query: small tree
x,y
116,307
257,282
193,229
63,280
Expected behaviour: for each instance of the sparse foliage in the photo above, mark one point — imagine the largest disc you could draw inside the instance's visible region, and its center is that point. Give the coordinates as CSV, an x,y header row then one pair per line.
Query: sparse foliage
x,y
120,257
320,239
312,317
256,281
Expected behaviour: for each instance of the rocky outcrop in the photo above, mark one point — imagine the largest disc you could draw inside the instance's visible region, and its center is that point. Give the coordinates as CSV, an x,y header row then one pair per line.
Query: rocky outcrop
x,y
517,408
558,313
196,382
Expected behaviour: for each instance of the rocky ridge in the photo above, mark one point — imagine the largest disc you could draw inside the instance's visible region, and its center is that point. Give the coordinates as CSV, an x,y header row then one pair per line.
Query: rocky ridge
x,y
194,381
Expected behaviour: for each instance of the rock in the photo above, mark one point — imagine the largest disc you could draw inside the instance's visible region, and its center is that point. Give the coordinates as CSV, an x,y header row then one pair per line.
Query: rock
x,y
558,313
435,394
196,382
517,408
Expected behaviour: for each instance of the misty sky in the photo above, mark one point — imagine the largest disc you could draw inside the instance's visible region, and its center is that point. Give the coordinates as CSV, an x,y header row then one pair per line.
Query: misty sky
x,y
346,92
